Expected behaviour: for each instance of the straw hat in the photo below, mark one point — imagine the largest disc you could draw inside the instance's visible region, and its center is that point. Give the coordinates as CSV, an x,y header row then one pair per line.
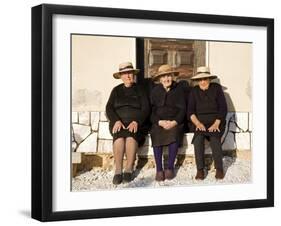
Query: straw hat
x,y
203,72
125,67
164,70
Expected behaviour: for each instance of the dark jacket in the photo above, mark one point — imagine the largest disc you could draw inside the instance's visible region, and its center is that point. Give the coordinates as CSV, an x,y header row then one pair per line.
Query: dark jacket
x,y
167,106
128,104
208,105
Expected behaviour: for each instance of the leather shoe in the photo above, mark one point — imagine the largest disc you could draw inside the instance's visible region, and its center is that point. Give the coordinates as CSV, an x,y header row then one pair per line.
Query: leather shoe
x,y
160,176
219,174
200,175
127,177
117,179
169,174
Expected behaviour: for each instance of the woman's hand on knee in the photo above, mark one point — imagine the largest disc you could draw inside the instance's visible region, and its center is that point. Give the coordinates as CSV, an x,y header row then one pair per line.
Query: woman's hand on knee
x,y
200,127
117,126
133,127
215,127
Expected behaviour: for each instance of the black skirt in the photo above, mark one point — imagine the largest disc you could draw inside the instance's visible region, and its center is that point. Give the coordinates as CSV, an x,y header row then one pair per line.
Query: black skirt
x,y
162,137
139,136
207,134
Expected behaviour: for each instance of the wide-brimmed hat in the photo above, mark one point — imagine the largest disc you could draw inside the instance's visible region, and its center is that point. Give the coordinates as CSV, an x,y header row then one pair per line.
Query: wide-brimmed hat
x,y
125,67
203,72
164,70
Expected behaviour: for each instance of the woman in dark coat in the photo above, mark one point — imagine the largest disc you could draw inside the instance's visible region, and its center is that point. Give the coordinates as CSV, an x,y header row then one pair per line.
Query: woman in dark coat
x,y
126,109
207,110
168,112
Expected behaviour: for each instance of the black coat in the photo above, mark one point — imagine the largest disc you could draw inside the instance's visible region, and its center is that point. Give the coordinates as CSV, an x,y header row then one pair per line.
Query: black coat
x,y
128,104
169,105
208,105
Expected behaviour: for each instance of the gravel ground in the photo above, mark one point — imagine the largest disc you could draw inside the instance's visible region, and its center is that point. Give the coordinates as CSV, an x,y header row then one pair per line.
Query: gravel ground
x,y
237,171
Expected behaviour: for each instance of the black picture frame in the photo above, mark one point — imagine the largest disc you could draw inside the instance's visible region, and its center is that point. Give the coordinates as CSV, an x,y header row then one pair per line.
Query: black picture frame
x,y
42,107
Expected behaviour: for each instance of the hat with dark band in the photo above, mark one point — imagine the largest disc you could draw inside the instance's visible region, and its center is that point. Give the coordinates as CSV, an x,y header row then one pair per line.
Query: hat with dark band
x,y
164,70
125,67
203,72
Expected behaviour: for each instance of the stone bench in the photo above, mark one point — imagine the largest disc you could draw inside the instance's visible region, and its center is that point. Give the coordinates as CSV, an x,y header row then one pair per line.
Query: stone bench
x,y
92,141
241,141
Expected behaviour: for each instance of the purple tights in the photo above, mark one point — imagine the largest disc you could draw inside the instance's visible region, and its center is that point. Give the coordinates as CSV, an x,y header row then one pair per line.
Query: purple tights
x,y
158,152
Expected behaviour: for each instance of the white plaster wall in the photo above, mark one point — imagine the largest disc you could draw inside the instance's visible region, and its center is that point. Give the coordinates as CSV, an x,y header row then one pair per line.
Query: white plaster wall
x,y
232,63
94,60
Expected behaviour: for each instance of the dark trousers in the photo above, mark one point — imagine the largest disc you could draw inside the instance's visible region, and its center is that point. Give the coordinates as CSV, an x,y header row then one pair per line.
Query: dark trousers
x,y
199,148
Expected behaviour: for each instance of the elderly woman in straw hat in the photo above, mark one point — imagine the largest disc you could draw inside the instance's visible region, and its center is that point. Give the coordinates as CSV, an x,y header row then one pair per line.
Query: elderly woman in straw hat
x,y
168,112
207,110
126,109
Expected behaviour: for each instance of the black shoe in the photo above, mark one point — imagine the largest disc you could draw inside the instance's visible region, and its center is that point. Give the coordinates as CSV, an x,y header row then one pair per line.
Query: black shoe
x,y
169,174
160,176
127,177
219,174
117,179
200,175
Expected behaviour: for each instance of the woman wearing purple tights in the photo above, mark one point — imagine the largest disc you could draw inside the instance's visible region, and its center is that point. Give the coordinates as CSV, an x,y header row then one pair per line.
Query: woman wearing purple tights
x,y
168,112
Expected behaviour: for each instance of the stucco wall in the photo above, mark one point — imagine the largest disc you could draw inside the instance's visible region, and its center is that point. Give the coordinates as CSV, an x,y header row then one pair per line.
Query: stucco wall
x,y
94,59
232,63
